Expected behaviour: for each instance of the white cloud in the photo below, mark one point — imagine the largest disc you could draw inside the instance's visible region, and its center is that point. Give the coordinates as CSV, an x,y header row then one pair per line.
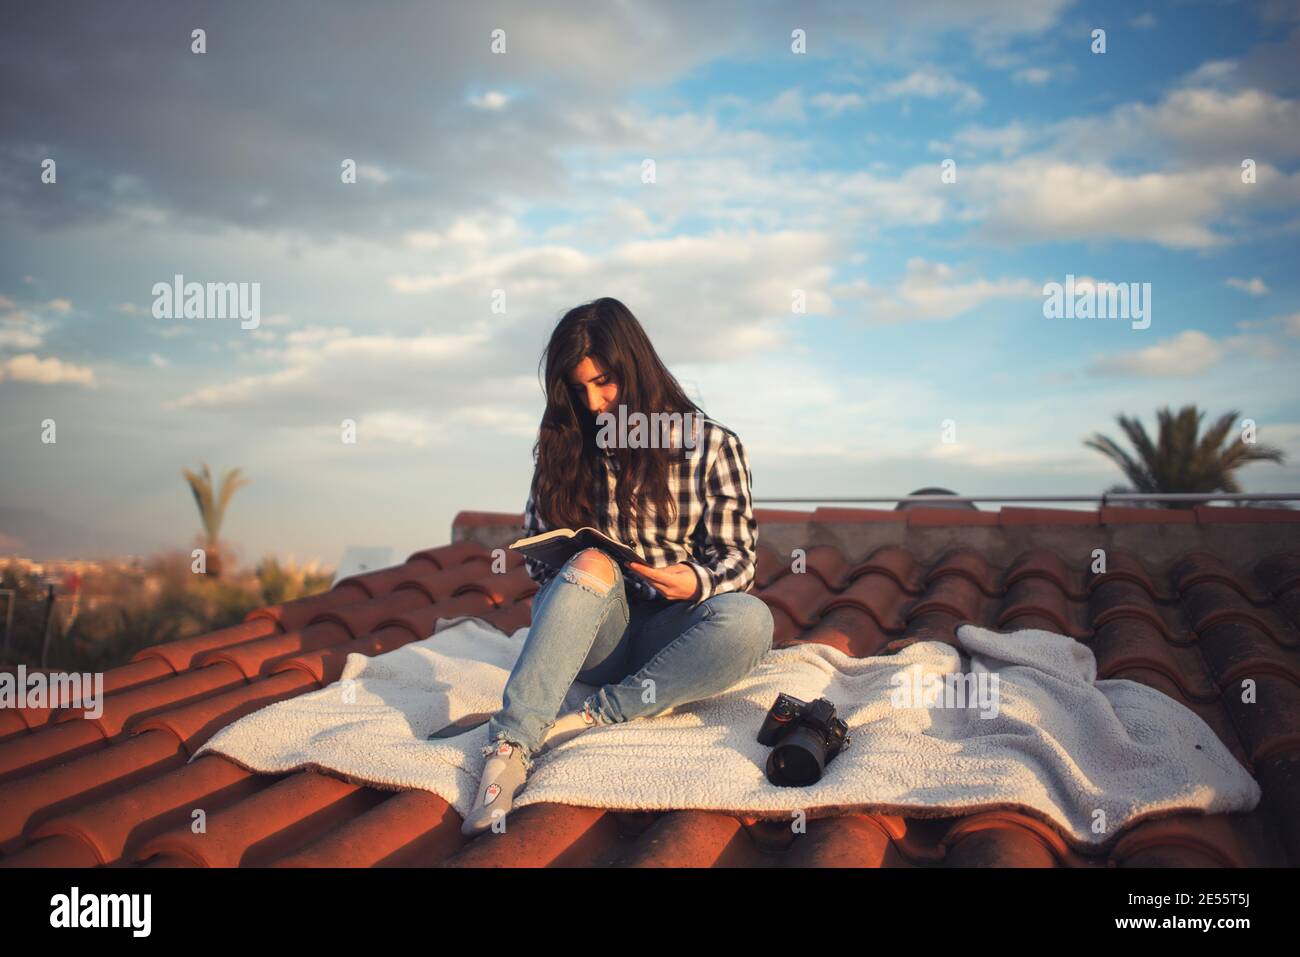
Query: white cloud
x,y
1289,325
553,259
932,84
1007,140
398,428
711,299
836,103
724,294
1245,123
932,291
491,100
371,173
17,331
1190,353
244,390
1052,200
620,218
787,107
312,334
158,361
1190,124
1258,347
1254,286
1034,75
914,198
322,368
1168,173
994,453
1211,72
473,231
28,368
734,179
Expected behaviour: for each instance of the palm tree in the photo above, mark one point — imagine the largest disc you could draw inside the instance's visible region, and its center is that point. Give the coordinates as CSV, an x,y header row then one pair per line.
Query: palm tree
x,y
212,509
1178,461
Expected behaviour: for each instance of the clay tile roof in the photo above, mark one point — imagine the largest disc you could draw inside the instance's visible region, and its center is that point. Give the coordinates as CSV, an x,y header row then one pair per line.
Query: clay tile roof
x,y
1190,602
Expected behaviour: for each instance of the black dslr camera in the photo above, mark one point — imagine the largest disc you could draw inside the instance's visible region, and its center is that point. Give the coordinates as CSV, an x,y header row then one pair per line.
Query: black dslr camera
x,y
804,739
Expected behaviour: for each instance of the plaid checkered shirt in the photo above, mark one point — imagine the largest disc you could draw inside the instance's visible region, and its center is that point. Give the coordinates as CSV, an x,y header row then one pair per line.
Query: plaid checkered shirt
x,y
714,532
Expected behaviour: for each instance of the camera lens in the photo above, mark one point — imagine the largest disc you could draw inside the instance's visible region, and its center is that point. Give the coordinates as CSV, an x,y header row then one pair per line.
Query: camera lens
x,y
798,760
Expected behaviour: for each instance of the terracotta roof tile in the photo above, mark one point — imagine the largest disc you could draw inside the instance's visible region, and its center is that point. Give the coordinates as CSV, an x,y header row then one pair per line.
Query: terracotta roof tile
x,y
923,515
1015,515
1202,624
826,516
896,562
967,563
1122,514
1123,565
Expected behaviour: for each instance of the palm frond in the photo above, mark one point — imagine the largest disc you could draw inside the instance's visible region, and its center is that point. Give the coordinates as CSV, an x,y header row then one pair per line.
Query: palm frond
x,y
1182,458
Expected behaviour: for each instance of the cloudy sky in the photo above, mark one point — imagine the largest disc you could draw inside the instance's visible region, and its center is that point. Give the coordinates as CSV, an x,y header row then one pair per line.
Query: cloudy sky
x,y
520,174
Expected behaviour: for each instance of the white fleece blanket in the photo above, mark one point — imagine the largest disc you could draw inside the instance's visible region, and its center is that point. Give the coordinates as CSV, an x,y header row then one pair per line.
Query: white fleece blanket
x,y
1090,756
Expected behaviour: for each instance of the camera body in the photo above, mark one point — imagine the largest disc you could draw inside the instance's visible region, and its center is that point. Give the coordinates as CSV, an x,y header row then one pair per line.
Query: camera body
x,y
804,737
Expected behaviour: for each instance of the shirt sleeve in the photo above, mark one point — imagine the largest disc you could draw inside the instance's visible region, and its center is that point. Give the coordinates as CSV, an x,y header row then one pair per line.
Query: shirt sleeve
x,y
533,525
726,554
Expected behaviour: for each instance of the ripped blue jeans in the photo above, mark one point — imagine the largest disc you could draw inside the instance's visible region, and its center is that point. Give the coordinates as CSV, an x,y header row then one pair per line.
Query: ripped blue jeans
x,y
646,655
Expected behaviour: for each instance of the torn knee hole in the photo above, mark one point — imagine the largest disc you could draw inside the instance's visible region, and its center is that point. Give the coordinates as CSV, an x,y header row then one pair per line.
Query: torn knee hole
x,y
595,567
586,581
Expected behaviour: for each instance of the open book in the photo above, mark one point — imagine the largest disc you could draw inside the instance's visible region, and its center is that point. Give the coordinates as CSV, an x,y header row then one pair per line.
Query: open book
x,y
557,547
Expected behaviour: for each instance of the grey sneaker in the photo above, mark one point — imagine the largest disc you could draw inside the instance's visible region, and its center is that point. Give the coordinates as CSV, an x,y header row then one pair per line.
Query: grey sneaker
x,y
504,773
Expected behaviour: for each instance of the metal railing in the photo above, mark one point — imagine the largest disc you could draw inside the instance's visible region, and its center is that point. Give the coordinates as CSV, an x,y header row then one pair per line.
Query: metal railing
x,y
1103,499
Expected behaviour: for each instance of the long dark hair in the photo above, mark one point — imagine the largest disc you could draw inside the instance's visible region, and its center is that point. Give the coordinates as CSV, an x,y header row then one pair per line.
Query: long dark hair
x,y
568,481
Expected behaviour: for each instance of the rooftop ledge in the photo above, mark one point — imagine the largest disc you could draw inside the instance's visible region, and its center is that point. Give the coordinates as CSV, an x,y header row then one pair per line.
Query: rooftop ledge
x,y
1238,536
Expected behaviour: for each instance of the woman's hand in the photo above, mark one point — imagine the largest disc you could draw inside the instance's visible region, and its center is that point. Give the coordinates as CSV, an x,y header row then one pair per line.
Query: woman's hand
x,y
675,582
